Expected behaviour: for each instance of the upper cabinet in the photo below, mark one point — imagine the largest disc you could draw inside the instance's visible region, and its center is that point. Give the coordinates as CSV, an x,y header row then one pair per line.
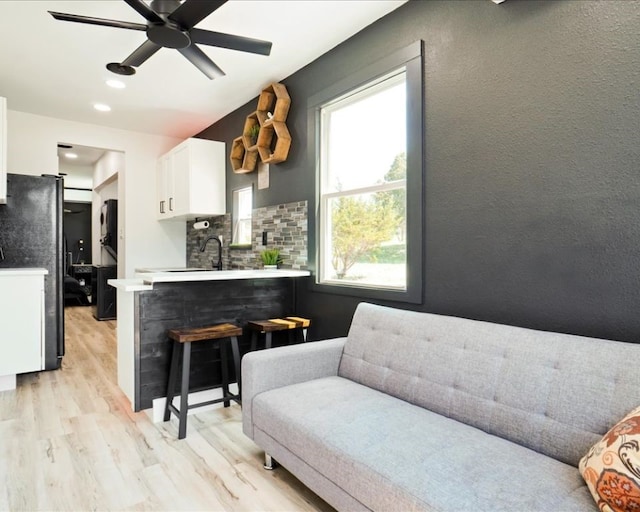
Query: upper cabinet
x,y
191,180
3,150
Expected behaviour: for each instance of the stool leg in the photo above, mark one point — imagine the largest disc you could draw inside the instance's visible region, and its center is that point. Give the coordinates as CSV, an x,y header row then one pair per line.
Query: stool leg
x,y
236,362
171,384
254,341
291,340
304,335
267,343
184,391
225,372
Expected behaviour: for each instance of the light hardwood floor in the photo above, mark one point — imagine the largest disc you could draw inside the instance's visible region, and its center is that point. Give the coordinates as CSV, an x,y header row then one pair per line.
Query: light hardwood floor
x,y
69,441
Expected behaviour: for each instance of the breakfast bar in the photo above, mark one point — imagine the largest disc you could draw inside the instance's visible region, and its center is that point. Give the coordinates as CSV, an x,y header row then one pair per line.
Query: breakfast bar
x,y
157,300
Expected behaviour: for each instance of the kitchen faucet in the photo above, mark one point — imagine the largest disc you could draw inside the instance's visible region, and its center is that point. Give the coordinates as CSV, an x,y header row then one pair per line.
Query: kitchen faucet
x,y
217,265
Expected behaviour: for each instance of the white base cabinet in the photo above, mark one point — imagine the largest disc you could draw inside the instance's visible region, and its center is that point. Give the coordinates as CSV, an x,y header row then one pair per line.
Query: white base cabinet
x,y
191,180
21,320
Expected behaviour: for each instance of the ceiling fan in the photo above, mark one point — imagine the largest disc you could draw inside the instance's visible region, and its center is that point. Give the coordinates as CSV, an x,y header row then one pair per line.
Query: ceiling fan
x,y
170,24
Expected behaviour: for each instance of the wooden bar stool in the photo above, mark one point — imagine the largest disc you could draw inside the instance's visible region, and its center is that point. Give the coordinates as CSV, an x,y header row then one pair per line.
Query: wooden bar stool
x,y
267,327
182,339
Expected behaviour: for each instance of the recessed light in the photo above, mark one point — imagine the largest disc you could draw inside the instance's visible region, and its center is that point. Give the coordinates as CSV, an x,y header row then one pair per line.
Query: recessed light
x,y
116,84
71,155
101,107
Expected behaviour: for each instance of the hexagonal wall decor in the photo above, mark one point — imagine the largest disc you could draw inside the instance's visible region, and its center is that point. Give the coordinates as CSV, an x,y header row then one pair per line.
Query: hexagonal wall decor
x,y
242,161
237,154
273,141
275,99
250,123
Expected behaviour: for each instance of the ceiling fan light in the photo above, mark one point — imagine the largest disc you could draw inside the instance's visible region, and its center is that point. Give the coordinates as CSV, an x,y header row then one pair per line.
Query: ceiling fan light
x,y
120,69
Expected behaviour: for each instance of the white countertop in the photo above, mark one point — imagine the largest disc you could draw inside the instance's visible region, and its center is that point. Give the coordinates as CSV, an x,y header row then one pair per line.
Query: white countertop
x,y
144,280
129,285
23,272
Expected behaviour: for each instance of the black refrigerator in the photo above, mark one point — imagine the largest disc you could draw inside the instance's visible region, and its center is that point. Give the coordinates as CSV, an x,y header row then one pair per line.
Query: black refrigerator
x,y
31,236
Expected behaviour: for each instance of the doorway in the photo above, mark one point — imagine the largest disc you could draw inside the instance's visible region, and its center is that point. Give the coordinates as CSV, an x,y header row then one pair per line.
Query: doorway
x,y
76,164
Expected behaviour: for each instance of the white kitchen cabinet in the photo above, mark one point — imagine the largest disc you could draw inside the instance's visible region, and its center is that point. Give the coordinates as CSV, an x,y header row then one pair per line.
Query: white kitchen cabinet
x,y
162,181
3,150
21,320
191,180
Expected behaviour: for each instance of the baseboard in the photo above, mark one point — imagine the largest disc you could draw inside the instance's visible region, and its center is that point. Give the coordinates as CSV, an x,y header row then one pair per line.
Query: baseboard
x,y
7,382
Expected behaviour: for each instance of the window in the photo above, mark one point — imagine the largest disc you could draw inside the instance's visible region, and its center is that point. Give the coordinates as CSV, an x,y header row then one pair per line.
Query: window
x,y
367,145
363,186
242,206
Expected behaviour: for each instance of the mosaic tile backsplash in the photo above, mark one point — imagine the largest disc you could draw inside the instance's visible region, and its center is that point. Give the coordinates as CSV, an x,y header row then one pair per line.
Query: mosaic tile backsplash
x,y
286,228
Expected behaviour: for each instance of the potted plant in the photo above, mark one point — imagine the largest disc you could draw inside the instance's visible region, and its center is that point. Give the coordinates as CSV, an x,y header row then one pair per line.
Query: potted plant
x,y
253,134
270,258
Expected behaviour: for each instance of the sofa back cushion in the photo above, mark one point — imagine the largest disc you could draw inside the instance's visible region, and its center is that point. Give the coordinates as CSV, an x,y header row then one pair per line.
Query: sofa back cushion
x,y
554,393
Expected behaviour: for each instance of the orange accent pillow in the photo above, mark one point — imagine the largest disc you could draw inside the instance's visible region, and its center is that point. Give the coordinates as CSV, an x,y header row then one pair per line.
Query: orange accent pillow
x,y
612,467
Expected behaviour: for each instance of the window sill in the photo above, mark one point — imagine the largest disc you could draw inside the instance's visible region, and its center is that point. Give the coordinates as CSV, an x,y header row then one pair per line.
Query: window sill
x,y
240,247
412,295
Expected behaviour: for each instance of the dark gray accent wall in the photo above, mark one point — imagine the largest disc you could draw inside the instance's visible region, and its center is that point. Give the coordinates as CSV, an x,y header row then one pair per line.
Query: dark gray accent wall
x,y
77,226
532,160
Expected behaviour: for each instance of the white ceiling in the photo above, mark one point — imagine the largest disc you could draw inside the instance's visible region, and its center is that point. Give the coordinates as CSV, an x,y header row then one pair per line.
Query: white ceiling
x,y
57,69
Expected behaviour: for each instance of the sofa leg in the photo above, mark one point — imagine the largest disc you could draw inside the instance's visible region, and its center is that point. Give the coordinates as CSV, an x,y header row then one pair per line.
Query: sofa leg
x,y
269,463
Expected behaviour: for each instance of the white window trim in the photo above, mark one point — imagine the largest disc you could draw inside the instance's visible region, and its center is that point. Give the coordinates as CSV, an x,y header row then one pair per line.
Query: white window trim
x,y
324,248
236,219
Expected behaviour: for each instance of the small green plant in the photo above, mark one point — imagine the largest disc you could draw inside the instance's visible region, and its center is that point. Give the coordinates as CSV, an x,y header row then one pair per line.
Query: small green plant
x,y
271,257
253,133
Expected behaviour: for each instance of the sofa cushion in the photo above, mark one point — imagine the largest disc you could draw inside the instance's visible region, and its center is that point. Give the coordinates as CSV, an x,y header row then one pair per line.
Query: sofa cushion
x,y
612,466
554,393
393,455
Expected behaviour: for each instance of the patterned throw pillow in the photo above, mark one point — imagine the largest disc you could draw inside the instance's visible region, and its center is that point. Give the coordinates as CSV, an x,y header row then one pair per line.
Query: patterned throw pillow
x,y
612,467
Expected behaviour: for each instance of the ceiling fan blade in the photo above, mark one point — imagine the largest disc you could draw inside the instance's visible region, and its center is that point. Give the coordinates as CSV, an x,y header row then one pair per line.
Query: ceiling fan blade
x,y
200,60
243,44
145,11
97,21
192,12
141,54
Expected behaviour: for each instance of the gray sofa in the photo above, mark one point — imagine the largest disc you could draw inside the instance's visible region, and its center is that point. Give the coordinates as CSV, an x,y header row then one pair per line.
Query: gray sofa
x,y
415,411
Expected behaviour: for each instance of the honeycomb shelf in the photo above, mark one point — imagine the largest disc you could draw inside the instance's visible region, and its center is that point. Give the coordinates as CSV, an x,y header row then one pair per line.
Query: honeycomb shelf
x,y
273,141
250,122
242,161
274,99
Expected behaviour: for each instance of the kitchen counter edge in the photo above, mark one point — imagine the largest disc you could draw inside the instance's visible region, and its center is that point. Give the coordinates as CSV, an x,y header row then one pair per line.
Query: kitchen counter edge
x,y
23,271
145,280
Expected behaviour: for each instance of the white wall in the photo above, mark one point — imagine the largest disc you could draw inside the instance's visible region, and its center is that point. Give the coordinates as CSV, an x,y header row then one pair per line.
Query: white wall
x,y
105,177
32,149
78,177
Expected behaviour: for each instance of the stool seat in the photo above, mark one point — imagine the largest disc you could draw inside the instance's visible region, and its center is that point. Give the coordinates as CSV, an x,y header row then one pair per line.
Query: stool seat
x,y
182,339
300,322
212,332
276,324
